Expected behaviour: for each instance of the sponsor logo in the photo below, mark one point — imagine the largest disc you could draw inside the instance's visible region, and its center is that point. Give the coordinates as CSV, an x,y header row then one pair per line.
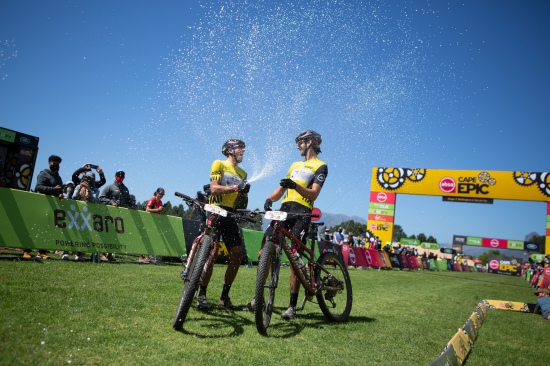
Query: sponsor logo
x,y
494,264
382,197
24,140
459,239
368,258
25,152
532,246
373,226
494,243
351,256
547,271
447,185
82,221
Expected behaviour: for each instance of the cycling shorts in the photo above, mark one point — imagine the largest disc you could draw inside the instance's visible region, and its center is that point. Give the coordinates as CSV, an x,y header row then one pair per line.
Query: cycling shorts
x,y
228,231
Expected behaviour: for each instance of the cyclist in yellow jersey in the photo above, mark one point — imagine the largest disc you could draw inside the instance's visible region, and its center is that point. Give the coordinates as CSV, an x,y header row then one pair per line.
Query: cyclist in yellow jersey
x,y
228,189
299,190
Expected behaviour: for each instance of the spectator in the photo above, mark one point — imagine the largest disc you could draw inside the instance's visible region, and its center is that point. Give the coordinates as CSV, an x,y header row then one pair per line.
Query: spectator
x,y
68,190
89,190
350,241
49,183
338,237
154,205
326,235
116,194
425,263
360,241
543,303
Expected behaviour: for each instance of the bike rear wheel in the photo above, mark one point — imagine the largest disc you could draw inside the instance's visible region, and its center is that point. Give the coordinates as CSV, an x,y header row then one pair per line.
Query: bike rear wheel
x,y
335,296
192,282
264,297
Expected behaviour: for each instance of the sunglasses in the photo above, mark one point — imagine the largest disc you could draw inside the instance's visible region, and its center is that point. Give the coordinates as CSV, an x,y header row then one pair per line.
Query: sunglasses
x,y
161,194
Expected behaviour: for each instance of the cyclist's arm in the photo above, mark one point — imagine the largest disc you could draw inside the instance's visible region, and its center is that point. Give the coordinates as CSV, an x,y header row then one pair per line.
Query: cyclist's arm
x,y
309,193
277,194
219,190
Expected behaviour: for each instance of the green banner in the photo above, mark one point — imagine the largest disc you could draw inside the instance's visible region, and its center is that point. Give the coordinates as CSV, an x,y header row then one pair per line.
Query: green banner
x,y
514,244
381,206
375,211
537,257
429,245
7,135
37,221
408,241
472,240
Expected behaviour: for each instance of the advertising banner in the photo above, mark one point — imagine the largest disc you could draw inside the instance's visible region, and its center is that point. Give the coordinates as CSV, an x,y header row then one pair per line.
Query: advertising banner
x,y
31,220
503,265
429,246
494,243
409,241
487,184
372,258
459,239
382,197
473,240
382,229
356,257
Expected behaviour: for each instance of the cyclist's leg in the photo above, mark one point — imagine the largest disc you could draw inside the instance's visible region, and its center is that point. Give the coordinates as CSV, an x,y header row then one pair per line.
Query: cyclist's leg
x,y
230,232
299,228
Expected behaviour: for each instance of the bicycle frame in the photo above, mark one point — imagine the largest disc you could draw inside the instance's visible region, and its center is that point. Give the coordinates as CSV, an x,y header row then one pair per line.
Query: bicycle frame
x,y
279,234
197,243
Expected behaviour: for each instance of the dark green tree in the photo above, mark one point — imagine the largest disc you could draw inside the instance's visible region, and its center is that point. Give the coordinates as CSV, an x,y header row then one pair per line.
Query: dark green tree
x,y
422,237
398,233
431,239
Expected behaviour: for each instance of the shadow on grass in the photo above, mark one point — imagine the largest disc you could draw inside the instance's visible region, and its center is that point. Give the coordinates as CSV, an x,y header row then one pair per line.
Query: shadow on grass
x,y
221,323
214,324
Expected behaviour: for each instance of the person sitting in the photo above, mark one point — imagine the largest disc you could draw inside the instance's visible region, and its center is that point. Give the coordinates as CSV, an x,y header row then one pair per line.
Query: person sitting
x,y
543,303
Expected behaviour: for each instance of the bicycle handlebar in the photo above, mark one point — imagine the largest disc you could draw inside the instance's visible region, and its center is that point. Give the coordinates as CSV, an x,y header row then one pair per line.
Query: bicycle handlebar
x,y
256,213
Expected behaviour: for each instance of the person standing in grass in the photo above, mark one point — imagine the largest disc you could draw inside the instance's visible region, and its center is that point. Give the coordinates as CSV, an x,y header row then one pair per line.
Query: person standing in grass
x,y
154,205
48,182
228,190
299,190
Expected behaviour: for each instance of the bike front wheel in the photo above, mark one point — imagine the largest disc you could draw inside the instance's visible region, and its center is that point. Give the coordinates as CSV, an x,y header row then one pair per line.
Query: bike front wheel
x,y
335,296
192,282
266,283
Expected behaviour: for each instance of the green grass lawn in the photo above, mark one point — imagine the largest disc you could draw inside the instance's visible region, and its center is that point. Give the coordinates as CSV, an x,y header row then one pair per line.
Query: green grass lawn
x,y
56,312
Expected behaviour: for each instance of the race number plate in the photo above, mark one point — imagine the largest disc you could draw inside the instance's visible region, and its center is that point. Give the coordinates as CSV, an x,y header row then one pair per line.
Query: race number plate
x,y
215,209
275,215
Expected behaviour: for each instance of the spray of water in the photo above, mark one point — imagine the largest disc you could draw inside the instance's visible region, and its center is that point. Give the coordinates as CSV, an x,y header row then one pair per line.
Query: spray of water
x,y
263,71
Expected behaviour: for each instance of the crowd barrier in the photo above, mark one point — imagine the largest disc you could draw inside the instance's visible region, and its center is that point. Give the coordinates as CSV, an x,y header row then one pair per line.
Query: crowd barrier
x,y
366,257
457,349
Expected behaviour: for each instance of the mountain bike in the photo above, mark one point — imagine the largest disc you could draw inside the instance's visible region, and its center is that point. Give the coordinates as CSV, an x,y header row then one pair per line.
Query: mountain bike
x,y
330,286
202,254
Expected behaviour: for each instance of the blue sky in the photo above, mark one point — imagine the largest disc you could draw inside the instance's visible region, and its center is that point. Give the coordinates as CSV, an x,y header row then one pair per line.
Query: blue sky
x,y
156,88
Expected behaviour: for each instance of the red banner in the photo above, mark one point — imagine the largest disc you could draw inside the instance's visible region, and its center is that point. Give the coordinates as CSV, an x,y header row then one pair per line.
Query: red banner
x,y
356,257
494,243
382,197
374,217
372,258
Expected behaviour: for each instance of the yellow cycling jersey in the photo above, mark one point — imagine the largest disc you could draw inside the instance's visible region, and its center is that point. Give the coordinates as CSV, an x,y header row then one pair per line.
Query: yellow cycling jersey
x,y
226,174
305,173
